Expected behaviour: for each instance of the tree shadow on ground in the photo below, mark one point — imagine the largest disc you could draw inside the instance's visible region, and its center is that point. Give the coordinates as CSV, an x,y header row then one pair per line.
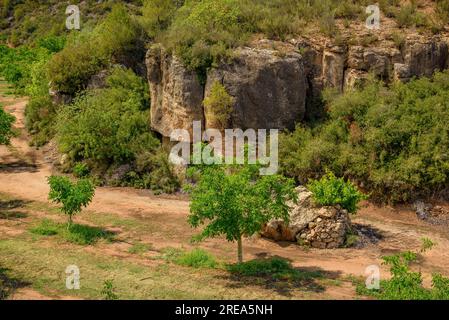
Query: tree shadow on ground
x,y
7,209
8,284
277,274
18,167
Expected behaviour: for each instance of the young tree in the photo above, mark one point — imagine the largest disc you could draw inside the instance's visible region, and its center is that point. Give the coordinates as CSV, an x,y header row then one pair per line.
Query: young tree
x,y
6,121
72,196
236,201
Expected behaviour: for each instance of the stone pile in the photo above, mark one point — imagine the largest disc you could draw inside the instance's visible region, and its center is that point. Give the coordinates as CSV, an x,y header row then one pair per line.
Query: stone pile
x,y
311,224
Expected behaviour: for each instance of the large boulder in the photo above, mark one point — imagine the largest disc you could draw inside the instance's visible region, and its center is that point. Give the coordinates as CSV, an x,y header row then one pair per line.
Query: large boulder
x,y
269,88
310,224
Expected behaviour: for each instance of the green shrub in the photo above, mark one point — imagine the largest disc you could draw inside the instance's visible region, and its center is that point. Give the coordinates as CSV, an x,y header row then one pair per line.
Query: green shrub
x,y
81,170
218,106
108,291
154,171
6,131
108,125
197,258
40,116
393,140
330,190
70,69
406,284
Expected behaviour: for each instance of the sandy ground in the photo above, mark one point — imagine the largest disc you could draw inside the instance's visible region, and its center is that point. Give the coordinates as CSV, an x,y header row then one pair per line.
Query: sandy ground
x,y
23,172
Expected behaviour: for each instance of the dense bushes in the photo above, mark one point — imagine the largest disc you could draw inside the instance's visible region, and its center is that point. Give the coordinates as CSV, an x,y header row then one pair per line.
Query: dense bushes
x,y
394,141
71,69
109,127
6,121
24,21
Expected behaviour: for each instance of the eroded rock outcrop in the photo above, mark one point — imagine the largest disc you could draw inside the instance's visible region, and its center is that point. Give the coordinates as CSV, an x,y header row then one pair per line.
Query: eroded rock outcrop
x,y
422,59
311,224
269,89
275,84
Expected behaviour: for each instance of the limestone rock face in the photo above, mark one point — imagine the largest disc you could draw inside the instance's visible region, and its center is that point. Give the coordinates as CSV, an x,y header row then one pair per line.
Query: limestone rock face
x,y
276,84
334,63
269,90
310,224
176,93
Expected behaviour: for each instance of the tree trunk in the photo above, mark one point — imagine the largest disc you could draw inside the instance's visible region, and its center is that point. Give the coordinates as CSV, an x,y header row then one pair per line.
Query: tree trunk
x,y
240,249
69,224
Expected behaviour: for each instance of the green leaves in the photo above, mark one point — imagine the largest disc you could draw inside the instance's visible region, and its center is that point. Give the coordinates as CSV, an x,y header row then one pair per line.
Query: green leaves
x,y
72,196
6,121
395,140
235,201
330,190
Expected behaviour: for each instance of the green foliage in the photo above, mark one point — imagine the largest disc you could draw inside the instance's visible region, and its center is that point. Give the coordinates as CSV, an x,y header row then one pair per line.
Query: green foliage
x,y
426,245
330,190
197,258
218,106
6,131
40,115
72,196
81,170
26,22
406,284
108,291
235,201
393,140
107,125
70,69
158,14
154,171
16,64
78,234
443,10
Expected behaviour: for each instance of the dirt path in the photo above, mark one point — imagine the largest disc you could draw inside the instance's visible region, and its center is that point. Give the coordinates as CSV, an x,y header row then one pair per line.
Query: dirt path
x,y
23,172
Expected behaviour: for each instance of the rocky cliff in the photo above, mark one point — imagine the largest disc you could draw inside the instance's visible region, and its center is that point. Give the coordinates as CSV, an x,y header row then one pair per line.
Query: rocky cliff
x,y
273,83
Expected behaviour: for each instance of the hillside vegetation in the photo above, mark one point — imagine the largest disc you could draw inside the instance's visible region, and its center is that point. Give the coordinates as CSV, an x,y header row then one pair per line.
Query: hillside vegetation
x,y
391,140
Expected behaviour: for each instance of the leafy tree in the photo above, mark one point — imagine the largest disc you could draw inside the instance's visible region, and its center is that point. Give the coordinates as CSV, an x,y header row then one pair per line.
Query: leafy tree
x,y
72,196
235,201
6,121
